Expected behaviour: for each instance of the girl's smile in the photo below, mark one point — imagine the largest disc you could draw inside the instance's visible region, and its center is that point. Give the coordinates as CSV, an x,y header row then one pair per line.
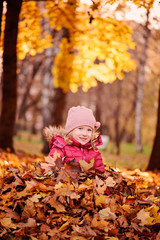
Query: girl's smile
x,y
82,134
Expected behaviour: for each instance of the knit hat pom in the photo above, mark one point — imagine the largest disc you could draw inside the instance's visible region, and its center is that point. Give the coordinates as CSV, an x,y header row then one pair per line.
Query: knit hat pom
x,y
80,116
97,125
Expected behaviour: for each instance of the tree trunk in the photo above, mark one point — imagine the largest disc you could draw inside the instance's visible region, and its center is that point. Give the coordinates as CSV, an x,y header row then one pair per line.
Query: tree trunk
x,y
98,103
9,77
140,84
53,99
154,162
117,117
29,79
1,11
59,101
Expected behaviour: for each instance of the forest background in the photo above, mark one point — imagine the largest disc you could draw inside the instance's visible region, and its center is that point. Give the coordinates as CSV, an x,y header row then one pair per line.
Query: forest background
x,y
58,54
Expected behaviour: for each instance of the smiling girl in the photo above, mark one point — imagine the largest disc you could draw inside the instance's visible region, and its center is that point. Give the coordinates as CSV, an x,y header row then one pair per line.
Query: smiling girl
x,y
79,139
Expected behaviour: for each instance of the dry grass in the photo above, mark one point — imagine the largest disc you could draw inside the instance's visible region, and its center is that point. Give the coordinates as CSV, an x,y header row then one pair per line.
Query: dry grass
x,y
125,161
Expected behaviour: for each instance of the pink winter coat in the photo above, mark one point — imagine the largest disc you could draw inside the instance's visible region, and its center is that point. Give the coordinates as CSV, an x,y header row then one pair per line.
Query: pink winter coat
x,y
76,150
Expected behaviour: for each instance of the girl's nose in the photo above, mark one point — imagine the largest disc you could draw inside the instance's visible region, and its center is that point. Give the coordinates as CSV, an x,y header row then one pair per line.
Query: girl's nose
x,y
84,132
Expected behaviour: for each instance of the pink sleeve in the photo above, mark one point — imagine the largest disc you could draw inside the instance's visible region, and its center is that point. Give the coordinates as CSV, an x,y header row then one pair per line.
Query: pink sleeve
x,y
98,164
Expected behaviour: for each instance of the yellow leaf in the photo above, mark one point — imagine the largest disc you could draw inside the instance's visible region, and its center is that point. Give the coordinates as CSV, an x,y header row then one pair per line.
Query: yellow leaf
x,y
100,224
127,208
88,182
112,238
157,219
83,187
33,238
86,166
64,226
77,238
145,218
100,200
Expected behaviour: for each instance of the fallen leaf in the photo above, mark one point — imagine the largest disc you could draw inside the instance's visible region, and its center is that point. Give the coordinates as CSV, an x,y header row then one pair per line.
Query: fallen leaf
x,y
110,182
29,210
31,223
99,185
35,198
145,218
84,231
107,214
123,221
100,200
86,166
7,223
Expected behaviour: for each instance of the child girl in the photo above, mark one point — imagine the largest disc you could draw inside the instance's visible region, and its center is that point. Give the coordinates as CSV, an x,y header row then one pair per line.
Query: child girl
x,y
79,139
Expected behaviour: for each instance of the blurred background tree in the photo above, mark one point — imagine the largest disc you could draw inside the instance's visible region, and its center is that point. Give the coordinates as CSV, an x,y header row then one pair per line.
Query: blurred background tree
x,y
9,76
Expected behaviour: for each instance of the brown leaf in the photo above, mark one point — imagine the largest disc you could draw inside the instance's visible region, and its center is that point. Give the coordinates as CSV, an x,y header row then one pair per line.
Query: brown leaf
x,y
100,224
107,214
69,173
110,182
158,236
9,213
3,233
99,185
77,238
31,223
29,210
51,163
123,221
87,201
84,231
7,223
44,228
40,213
56,204
35,198
140,229
63,176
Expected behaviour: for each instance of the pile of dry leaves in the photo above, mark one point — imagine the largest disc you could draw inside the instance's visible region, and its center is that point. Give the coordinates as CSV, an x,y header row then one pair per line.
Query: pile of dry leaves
x,y
71,202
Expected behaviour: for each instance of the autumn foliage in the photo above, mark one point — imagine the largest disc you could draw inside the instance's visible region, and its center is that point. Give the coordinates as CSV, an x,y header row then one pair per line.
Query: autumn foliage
x,y
70,201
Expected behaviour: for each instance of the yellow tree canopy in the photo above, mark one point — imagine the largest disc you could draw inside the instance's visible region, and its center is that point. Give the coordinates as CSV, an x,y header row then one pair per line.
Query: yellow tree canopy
x,y
104,41
98,44
30,37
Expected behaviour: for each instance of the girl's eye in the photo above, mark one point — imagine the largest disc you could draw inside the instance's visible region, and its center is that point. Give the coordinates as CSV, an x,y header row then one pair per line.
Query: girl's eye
x,y
80,128
89,130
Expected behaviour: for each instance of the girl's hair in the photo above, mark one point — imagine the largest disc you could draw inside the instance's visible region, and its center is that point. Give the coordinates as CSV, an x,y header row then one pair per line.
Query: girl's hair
x,y
68,138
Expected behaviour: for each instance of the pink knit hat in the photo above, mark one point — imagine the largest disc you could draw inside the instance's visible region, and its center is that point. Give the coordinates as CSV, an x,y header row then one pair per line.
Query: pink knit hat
x,y
79,116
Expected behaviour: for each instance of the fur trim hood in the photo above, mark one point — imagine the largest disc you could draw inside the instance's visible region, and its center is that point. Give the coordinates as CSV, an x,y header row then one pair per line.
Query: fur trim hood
x,y
51,131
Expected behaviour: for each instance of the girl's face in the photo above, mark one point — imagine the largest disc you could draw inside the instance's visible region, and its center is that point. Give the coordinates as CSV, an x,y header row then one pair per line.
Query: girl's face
x,y
82,134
